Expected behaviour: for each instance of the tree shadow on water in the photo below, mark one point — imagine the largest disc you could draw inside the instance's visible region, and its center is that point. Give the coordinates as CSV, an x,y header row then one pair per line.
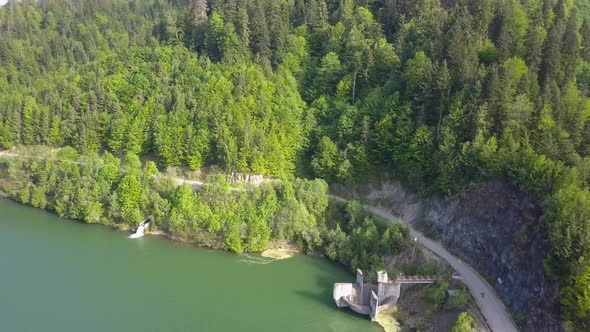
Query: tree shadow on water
x,y
324,297
324,285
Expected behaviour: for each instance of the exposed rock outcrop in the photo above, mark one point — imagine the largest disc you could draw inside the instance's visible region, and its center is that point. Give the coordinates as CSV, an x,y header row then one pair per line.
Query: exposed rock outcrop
x,y
497,229
249,179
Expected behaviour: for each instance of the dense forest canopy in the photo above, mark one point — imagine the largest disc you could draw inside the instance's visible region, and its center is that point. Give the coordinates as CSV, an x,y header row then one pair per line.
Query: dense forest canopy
x,y
439,94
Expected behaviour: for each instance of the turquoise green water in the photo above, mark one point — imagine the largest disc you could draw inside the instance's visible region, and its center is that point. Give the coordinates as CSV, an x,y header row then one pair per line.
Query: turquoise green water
x,y
58,275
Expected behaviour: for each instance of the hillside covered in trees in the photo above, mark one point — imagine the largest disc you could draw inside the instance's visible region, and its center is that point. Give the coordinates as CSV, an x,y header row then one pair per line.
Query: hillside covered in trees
x,y
438,94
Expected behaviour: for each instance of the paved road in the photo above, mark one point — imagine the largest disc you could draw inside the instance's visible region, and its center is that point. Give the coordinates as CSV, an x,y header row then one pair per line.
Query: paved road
x,y
490,305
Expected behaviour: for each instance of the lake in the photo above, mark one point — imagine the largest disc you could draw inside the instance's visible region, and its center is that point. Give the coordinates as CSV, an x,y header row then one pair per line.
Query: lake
x,y
61,275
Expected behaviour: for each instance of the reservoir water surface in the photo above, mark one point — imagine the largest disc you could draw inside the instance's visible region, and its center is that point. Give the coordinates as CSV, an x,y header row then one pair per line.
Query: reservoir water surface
x,y
61,275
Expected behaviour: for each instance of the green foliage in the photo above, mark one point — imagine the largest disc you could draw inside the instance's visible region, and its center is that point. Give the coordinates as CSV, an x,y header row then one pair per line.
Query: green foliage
x,y
128,92
576,295
325,161
67,154
38,199
5,137
464,323
568,215
25,195
488,53
415,69
437,97
360,242
220,39
129,194
460,300
437,294
422,325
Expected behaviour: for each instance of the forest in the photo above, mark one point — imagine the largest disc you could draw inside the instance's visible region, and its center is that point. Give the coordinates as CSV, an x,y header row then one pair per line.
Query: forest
x,y
438,94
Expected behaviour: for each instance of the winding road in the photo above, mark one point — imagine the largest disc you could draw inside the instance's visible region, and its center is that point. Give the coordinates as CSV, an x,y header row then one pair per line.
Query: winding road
x,y
490,305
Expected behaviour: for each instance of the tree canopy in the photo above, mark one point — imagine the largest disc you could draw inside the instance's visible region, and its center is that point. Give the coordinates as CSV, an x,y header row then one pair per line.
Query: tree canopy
x,y
438,94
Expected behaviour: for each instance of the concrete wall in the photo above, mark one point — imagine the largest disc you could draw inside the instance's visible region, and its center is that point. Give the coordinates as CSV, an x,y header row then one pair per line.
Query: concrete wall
x,y
361,309
342,290
360,282
367,289
360,278
389,293
374,306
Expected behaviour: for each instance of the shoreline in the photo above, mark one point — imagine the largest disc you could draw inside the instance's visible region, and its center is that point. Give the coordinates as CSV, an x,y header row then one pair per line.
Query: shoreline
x,y
276,250
280,247
158,232
279,253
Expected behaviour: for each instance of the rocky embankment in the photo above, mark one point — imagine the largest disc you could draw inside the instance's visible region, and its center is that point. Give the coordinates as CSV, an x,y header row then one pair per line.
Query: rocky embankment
x,y
496,229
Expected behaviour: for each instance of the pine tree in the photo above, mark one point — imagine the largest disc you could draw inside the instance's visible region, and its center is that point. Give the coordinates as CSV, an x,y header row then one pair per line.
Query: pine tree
x,y
199,11
571,46
259,34
30,108
551,57
534,46
586,40
129,195
5,139
389,17
242,23
514,25
316,14
462,53
278,25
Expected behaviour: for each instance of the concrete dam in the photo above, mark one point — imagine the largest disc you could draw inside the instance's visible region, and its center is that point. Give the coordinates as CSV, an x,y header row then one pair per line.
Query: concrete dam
x,y
370,299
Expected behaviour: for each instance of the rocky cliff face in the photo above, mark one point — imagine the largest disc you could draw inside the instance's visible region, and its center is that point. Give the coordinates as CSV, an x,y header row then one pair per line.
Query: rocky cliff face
x,y
497,230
